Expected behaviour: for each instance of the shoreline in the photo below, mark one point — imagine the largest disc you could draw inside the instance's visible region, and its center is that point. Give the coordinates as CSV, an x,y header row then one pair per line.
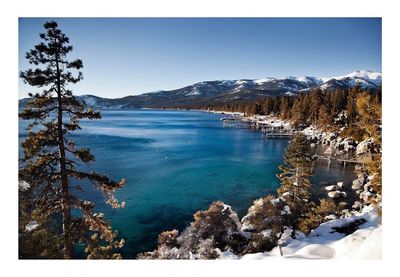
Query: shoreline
x,y
336,147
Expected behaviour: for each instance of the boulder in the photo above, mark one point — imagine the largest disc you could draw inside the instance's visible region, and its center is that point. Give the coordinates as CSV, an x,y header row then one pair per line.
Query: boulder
x,y
330,217
343,194
285,194
23,186
357,205
357,184
331,187
32,225
328,151
334,194
363,147
340,185
364,196
359,191
367,186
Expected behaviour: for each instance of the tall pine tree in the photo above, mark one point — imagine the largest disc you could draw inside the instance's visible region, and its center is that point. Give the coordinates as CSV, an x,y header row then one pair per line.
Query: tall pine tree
x,y
295,182
50,162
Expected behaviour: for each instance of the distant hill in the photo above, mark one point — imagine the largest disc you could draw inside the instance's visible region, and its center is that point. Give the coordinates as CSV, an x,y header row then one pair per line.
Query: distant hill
x,y
225,91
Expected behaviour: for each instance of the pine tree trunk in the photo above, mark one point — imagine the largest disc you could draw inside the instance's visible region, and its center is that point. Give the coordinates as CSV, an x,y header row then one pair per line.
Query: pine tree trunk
x,y
63,172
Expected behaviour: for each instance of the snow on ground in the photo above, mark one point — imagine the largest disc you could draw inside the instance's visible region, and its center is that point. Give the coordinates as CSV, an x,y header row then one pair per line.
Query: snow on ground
x,y
23,186
312,131
228,113
326,242
32,225
271,121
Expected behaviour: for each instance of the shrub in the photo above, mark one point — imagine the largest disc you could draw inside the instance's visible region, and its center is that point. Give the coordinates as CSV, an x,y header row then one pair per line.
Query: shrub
x,y
318,214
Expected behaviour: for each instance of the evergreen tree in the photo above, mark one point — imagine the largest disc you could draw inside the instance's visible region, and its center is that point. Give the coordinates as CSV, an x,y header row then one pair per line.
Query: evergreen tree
x,y
316,100
351,112
294,178
325,117
284,110
300,111
370,116
369,109
50,158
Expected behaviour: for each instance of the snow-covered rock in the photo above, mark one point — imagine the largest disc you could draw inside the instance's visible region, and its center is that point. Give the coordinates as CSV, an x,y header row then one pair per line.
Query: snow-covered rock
x,y
357,205
328,151
334,194
330,217
23,185
357,184
32,225
365,195
363,147
331,187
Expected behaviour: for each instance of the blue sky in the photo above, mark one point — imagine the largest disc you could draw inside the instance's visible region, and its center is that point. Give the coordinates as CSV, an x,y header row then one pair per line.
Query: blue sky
x,y
127,56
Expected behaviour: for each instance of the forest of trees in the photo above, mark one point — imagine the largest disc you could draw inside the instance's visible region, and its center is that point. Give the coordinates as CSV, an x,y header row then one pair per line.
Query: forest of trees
x,y
339,110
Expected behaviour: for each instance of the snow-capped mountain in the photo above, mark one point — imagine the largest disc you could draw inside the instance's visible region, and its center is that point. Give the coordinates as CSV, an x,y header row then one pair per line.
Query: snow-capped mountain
x,y
227,91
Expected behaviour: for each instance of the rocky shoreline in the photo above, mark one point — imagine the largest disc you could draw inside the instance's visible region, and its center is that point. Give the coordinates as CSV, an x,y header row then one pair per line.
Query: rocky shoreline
x,y
334,145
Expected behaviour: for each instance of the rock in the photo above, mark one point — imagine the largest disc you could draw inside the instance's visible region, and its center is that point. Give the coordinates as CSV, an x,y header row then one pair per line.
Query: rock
x,y
334,194
343,194
330,217
367,186
342,204
285,194
328,151
32,225
23,186
313,145
346,213
331,187
364,196
340,185
357,184
359,191
357,205
363,147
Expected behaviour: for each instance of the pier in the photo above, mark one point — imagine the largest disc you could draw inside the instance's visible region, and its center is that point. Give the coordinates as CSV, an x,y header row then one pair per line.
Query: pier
x,y
267,130
274,134
341,160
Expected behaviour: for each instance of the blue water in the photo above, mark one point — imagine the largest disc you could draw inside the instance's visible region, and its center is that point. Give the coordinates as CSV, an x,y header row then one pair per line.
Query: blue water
x,y
178,162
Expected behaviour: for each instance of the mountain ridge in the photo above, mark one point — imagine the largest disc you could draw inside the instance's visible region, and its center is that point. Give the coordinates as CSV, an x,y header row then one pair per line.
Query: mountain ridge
x,y
226,91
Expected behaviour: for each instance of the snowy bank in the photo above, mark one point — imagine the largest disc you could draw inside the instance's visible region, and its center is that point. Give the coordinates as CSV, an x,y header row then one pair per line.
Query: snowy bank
x,y
333,239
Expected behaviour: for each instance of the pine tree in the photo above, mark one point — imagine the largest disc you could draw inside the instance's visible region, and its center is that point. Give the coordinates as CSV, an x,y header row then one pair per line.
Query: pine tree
x,y
370,116
294,178
284,110
50,158
316,100
369,109
351,111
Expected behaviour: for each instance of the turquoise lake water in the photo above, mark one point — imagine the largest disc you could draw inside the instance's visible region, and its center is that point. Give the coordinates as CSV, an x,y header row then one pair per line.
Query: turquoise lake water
x,y
178,162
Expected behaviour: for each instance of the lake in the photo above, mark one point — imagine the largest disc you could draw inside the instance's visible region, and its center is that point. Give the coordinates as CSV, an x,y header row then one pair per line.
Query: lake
x,y
178,162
